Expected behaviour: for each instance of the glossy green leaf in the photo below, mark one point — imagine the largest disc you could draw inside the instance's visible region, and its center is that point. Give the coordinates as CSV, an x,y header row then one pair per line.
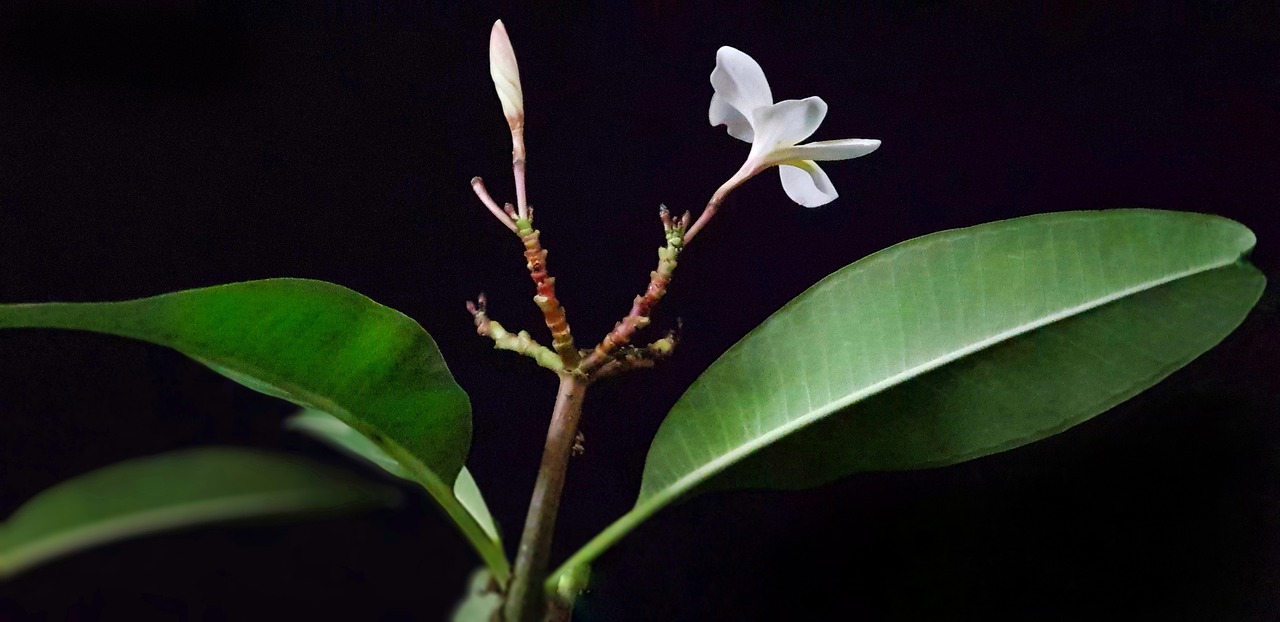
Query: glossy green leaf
x,y
318,345
953,346
331,430
171,491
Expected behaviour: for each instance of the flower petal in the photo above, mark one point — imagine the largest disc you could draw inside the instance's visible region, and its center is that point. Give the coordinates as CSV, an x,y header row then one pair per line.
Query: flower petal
x,y
845,149
786,123
723,114
806,183
740,83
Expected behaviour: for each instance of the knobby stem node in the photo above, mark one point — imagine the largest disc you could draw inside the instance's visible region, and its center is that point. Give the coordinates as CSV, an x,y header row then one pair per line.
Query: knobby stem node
x,y
554,315
642,306
520,343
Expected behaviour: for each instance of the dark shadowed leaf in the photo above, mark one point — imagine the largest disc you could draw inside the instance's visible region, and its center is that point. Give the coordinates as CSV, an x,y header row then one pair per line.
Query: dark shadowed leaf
x,y
170,491
329,429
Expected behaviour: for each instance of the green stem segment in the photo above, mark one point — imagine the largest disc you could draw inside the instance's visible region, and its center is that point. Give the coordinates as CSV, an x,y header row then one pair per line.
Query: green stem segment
x,y
610,536
526,599
521,342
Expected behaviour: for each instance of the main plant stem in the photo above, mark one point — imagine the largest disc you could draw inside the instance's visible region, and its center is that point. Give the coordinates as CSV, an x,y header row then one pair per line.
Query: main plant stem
x,y
526,599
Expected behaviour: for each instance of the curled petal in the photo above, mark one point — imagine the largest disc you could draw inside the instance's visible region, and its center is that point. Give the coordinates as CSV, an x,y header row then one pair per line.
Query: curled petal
x,y
506,74
723,114
740,83
786,123
806,183
844,149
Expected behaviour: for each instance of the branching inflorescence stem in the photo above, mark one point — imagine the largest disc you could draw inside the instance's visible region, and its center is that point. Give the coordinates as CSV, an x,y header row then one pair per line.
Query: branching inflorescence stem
x,y
526,600
521,342
643,304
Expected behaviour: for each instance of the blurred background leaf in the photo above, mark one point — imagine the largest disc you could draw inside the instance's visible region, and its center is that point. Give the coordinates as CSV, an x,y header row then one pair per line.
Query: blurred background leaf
x,y
171,491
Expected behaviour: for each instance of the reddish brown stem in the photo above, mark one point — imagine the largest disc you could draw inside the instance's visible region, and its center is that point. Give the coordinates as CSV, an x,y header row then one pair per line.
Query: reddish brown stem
x,y
628,358
526,600
643,304
536,260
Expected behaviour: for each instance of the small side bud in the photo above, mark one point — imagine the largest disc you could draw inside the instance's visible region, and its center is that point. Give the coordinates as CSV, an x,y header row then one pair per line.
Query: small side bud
x,y
573,582
665,215
506,75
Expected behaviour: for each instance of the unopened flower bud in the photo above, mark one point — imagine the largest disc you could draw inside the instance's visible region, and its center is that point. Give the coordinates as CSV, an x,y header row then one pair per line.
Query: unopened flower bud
x,y
506,75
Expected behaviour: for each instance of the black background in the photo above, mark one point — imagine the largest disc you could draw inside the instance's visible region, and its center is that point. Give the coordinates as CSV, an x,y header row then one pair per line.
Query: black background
x,y
148,146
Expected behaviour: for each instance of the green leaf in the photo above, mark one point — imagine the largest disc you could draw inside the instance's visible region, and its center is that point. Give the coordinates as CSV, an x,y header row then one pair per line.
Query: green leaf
x,y
318,345
171,491
329,429
953,346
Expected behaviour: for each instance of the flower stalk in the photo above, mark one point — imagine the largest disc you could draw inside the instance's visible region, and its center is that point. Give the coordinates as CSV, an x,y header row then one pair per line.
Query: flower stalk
x,y
716,200
477,185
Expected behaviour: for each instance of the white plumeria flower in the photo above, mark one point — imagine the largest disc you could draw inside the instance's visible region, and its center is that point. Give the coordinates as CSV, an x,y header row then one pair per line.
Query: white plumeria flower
x,y
744,104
